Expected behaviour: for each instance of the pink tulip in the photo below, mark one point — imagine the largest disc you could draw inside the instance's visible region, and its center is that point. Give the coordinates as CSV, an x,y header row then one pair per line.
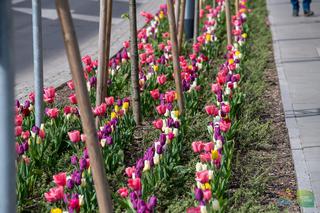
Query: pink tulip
x,y
109,100
205,157
161,109
18,120
130,171
60,179
18,130
225,125
170,96
123,192
25,135
74,204
49,94
170,136
54,194
158,124
202,176
86,60
212,110
207,195
161,79
155,94
32,97
197,146
83,137
194,210
52,113
225,108
126,44
208,146
74,136
100,110
70,84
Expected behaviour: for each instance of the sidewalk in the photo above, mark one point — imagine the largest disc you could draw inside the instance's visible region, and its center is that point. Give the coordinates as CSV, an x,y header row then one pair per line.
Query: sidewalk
x,y
296,43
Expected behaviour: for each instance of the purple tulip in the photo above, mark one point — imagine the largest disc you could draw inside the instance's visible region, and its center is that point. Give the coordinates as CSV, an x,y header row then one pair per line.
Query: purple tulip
x,y
198,194
74,160
162,139
152,202
70,184
83,163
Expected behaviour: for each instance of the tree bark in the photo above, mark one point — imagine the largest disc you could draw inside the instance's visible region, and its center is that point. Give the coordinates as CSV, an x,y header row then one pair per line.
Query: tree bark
x,y
175,56
181,24
104,51
73,53
134,63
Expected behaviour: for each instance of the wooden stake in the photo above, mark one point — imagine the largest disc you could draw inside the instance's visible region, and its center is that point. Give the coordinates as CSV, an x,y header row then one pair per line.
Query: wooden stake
x,y
228,22
196,20
175,56
177,13
181,24
136,105
236,5
73,53
104,50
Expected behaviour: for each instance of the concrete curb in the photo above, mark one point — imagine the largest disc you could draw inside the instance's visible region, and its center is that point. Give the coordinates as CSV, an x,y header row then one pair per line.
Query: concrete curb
x,y
300,165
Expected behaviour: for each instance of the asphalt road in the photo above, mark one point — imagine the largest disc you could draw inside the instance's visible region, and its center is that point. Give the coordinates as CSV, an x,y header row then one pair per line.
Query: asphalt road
x,y
85,16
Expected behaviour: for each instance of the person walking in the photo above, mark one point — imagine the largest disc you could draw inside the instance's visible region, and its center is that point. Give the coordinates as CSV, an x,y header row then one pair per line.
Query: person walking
x,y
305,5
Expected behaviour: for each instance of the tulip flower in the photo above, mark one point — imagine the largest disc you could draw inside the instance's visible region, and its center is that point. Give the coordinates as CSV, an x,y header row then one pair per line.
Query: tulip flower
x,y
54,194
60,179
161,79
135,184
212,110
197,146
52,113
109,100
49,94
155,94
158,124
74,136
123,192
161,109
73,99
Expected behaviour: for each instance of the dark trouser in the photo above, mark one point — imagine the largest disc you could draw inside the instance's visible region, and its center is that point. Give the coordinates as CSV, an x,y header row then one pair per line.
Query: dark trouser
x,y
305,5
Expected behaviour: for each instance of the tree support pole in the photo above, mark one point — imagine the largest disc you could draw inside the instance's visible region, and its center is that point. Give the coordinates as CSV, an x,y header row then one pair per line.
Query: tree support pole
x,y
86,115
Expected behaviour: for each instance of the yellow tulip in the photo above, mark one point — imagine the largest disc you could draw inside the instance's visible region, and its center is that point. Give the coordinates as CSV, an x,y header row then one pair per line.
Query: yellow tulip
x,y
214,154
113,115
231,61
155,68
116,108
125,105
56,210
244,35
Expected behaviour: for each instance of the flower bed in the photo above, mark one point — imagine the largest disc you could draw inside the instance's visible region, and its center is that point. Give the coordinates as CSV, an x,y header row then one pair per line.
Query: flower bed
x,y
72,188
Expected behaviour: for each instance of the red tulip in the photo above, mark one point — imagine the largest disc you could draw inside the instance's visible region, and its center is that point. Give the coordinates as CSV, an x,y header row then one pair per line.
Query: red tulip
x,y
135,184
109,100
123,192
158,124
60,179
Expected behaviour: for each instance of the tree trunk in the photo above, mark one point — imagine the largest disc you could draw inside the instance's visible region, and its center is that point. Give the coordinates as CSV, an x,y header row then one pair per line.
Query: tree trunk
x,y
95,156
181,24
196,20
236,5
175,56
134,63
177,12
104,50
228,22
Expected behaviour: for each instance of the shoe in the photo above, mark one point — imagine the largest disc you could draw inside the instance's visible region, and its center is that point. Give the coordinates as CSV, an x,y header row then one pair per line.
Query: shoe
x,y
295,13
309,13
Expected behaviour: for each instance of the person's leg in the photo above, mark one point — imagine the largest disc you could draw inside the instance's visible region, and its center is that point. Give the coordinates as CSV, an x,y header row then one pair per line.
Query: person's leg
x,y
295,7
306,8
